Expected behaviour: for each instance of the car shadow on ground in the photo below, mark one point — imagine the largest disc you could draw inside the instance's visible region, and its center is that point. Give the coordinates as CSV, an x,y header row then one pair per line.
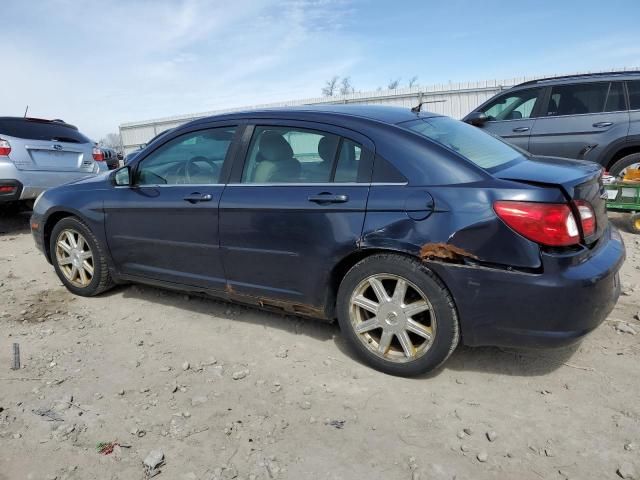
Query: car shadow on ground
x,y
622,221
13,223
494,360
205,305
513,362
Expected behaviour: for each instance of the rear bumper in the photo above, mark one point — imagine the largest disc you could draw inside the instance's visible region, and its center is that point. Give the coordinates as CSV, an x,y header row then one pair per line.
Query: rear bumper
x,y
555,308
34,182
14,192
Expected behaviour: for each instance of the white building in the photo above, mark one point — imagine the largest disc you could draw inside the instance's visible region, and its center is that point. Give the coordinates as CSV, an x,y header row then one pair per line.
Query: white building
x,y
452,99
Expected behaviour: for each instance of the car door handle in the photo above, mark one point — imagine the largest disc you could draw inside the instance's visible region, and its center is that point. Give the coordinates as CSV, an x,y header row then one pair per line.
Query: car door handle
x,y
602,124
521,129
198,197
328,198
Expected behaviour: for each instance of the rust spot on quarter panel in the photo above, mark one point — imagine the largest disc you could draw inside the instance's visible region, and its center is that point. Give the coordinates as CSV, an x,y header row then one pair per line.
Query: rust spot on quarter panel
x,y
444,251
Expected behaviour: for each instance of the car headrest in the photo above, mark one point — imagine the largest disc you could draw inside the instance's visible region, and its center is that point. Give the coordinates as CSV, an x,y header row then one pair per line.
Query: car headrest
x,y
327,148
273,147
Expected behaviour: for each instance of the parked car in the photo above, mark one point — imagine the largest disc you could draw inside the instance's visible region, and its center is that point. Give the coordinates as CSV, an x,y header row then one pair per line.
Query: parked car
x,y
415,231
110,157
37,154
588,117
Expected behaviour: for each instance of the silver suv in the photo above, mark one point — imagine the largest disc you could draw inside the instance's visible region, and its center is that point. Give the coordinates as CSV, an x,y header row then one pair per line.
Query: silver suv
x,y
588,117
37,154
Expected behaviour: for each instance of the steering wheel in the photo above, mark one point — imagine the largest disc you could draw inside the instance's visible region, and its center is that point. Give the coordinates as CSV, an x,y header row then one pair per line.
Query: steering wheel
x,y
189,169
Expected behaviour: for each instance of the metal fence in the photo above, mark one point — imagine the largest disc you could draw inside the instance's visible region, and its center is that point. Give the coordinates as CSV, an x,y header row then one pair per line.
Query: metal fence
x,y
452,99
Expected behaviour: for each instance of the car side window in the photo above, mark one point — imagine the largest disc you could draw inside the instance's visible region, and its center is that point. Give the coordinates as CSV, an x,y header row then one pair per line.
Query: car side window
x,y
634,94
290,155
577,99
192,158
615,98
513,106
348,162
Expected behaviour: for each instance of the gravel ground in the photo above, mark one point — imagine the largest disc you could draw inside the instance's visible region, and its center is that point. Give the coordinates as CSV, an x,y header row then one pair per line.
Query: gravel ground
x,y
226,392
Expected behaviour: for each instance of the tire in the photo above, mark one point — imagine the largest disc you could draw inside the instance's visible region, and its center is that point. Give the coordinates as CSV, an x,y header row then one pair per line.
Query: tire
x,y
10,208
623,163
422,285
634,223
100,280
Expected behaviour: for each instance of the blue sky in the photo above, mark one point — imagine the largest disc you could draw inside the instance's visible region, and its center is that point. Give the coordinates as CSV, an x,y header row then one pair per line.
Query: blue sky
x,y
99,64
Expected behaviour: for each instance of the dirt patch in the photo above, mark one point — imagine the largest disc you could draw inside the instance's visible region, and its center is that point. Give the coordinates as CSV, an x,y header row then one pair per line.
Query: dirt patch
x,y
46,304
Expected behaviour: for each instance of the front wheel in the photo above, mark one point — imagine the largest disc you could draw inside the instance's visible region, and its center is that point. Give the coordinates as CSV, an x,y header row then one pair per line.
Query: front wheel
x,y
78,259
397,315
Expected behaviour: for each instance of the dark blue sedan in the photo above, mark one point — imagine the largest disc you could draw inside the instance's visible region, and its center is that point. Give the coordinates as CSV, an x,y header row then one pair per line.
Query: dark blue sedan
x,y
414,230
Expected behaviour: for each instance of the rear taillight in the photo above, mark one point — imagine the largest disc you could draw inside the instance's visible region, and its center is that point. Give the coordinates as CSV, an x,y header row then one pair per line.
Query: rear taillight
x,y
5,148
7,189
98,155
551,224
587,217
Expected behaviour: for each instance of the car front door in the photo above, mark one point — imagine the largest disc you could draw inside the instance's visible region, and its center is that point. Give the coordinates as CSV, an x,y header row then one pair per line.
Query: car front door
x,y
293,209
165,226
580,120
512,115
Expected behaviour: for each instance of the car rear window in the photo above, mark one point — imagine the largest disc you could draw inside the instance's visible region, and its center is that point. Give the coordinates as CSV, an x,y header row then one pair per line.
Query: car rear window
x,y
472,143
37,130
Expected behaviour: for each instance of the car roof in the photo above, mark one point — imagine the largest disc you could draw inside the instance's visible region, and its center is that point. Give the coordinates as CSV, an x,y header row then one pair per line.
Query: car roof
x,y
56,121
582,78
379,113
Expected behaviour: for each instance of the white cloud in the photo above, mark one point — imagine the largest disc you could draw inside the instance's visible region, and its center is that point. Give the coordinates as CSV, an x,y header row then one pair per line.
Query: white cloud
x,y
101,64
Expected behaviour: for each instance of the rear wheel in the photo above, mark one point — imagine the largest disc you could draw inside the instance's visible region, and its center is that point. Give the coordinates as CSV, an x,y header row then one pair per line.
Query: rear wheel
x,y
634,223
397,315
624,165
78,258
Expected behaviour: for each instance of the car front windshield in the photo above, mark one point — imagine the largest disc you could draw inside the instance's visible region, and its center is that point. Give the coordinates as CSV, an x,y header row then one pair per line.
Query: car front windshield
x,y
470,142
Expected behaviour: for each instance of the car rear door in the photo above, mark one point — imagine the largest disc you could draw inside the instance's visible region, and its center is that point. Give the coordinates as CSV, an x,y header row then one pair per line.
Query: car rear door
x,y
633,89
165,226
294,207
580,120
512,115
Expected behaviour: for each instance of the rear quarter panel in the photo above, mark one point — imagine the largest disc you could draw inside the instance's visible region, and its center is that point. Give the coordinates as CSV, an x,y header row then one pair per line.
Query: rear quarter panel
x,y
462,216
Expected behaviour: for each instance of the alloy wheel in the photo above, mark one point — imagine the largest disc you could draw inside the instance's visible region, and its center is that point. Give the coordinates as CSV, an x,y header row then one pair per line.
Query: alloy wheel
x,y
74,257
628,172
392,317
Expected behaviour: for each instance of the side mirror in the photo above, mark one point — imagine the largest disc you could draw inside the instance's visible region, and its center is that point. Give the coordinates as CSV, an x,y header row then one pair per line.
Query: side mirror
x,y
477,119
122,177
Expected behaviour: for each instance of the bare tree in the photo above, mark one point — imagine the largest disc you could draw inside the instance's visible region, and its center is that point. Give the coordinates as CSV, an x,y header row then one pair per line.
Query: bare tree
x,y
393,84
330,87
345,86
413,81
111,140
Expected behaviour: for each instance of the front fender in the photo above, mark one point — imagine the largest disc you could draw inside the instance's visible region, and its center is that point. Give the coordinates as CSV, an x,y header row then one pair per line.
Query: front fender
x,y
55,204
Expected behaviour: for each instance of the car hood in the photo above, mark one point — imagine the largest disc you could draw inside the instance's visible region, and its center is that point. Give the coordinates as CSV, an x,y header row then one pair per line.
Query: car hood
x,y
91,180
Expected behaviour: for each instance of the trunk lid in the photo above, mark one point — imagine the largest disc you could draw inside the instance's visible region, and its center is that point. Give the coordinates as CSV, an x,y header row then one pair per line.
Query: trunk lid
x,y
579,180
51,156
